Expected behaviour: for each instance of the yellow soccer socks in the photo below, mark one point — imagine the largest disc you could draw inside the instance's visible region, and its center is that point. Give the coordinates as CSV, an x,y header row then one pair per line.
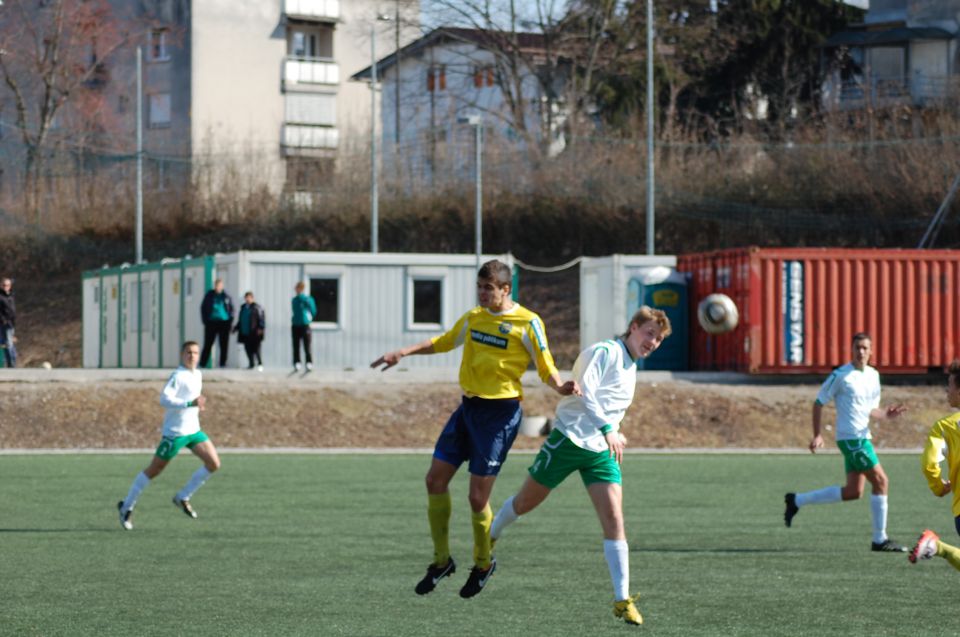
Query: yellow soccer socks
x,y
438,512
481,537
949,553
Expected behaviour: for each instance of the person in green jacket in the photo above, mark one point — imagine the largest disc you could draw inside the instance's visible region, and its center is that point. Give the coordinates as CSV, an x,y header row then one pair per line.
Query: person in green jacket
x,y
304,309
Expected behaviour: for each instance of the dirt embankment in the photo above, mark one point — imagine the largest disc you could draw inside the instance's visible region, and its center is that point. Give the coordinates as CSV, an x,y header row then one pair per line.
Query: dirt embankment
x,y
127,414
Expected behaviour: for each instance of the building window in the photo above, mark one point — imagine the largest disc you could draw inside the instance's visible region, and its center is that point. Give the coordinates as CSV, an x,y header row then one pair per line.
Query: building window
x,y
158,51
304,45
425,298
326,294
483,76
309,174
159,110
428,301
437,78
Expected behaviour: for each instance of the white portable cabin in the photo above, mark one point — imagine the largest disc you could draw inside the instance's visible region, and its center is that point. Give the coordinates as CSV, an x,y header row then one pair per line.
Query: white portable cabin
x,y
367,304
138,316
612,288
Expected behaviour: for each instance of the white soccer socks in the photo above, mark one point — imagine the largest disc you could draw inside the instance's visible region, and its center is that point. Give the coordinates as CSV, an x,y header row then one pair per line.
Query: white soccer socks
x,y
878,507
505,517
826,495
618,560
139,484
196,481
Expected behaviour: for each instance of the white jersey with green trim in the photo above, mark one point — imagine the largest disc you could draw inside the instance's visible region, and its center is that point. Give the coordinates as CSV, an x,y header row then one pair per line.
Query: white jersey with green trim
x,y
183,387
607,376
857,393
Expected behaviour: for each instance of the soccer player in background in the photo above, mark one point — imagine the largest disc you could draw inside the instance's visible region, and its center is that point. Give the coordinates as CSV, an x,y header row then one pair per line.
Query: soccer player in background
x,y
183,399
856,389
942,441
586,438
499,339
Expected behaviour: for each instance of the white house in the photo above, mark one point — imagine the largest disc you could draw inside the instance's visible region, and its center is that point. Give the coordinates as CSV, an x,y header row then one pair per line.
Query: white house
x,y
451,74
904,53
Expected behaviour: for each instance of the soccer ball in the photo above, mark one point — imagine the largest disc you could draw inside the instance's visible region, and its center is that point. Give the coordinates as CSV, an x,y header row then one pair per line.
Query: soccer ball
x,y
718,314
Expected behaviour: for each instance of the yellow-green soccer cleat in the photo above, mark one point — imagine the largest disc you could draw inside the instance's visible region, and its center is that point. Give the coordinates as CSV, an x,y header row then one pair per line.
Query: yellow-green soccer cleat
x,y
626,609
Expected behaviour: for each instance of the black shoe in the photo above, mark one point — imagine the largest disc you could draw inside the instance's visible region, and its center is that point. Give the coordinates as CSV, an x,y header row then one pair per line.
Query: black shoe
x,y
184,505
888,546
477,580
125,517
434,575
791,501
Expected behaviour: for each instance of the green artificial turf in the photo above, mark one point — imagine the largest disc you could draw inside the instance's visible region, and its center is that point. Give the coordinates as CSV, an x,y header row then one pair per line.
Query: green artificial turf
x,y
333,545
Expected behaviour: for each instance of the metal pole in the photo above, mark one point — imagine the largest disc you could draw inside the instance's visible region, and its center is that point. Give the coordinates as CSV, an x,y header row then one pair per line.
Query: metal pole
x,y
374,203
650,131
139,223
479,215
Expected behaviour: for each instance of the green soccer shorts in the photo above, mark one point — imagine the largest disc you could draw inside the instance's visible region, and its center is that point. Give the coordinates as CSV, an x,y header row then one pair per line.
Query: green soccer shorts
x,y
858,455
170,447
558,458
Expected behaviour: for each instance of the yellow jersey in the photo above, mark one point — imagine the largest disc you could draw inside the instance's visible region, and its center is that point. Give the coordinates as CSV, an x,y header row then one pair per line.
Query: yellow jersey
x,y
497,348
943,441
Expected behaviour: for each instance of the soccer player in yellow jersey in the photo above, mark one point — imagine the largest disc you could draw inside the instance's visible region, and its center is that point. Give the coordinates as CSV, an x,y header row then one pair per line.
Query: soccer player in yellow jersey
x,y
942,441
499,339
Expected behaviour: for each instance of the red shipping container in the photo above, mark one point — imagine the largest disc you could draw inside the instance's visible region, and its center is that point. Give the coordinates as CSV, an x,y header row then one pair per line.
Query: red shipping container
x,y
800,307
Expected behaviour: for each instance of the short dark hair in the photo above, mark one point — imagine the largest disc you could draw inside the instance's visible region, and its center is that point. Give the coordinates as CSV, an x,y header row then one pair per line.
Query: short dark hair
x,y
496,270
953,371
188,344
861,336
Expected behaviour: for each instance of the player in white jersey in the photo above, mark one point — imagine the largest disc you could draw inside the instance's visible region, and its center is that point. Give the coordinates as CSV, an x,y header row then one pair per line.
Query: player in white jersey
x,y
586,438
856,389
183,399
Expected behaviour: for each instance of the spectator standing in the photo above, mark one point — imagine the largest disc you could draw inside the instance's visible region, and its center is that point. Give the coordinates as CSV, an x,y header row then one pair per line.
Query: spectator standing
x,y
251,322
8,318
304,309
217,314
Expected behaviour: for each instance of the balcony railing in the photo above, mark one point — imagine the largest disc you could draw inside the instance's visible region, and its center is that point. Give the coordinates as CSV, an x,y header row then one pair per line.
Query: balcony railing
x,y
310,71
885,91
313,9
305,136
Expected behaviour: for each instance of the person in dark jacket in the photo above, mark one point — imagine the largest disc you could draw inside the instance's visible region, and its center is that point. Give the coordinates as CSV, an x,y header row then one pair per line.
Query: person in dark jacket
x,y
8,319
251,322
217,314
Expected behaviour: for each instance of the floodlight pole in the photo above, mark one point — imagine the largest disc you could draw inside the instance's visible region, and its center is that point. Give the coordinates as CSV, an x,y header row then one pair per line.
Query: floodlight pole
x,y
374,202
139,213
650,132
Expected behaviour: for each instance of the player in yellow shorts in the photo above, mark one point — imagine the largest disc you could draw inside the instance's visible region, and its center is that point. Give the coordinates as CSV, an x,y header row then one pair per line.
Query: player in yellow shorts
x,y
587,439
499,339
183,399
943,441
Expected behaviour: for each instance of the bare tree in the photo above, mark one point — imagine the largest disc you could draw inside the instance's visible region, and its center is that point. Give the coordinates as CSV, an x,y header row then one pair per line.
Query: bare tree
x,y
53,58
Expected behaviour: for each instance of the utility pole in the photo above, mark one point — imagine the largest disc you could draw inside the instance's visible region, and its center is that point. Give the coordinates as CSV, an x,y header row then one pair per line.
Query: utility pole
x,y
650,132
139,221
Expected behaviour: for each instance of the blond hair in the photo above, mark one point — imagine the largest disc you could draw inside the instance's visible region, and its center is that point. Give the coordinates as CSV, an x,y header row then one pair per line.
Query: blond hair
x,y
646,314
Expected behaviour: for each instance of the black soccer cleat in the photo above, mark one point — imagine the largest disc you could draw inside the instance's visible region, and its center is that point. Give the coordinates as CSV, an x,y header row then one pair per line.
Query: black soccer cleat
x,y
888,546
125,517
184,505
477,580
434,575
791,509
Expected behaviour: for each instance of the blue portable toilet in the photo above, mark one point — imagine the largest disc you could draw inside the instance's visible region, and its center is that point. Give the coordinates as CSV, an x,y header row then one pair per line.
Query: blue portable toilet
x,y
665,289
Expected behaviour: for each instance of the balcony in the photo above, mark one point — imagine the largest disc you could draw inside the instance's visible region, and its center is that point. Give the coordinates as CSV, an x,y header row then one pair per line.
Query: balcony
x,y
879,92
310,71
309,139
312,10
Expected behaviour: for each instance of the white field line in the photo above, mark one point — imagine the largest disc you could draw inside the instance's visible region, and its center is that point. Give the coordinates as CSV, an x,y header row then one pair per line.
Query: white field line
x,y
385,451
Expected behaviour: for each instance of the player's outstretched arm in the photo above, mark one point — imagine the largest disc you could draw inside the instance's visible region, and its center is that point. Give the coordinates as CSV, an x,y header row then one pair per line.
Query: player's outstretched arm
x,y
390,359
888,412
563,388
